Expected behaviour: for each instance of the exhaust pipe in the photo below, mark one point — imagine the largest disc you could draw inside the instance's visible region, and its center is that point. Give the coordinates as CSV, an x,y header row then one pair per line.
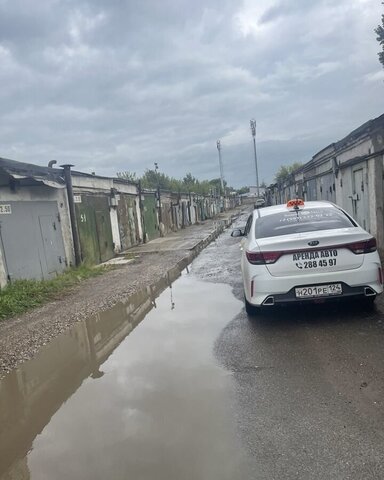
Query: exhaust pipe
x,y
269,301
369,292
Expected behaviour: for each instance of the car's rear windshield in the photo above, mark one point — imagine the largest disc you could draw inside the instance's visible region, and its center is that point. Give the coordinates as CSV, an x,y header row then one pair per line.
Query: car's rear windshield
x,y
303,220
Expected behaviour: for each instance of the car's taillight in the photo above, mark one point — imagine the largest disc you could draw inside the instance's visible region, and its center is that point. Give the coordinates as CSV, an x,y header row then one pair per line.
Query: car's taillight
x,y
255,258
366,246
262,258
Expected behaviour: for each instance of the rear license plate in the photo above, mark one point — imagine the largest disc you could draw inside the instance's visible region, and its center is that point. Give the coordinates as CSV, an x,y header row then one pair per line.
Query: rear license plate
x,y
319,291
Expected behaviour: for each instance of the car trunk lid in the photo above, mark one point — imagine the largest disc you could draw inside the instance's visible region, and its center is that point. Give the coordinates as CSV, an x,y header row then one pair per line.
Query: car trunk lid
x,y
314,252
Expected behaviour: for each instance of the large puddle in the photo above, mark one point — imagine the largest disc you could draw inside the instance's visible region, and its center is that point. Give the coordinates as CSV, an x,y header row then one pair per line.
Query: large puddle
x,y
121,398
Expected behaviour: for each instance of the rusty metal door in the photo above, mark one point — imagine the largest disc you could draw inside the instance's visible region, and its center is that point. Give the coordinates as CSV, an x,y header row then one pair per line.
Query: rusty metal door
x,y
150,217
128,221
358,198
95,231
104,234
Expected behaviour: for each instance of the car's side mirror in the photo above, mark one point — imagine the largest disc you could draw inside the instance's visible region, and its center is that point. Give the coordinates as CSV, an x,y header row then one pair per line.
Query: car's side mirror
x,y
237,232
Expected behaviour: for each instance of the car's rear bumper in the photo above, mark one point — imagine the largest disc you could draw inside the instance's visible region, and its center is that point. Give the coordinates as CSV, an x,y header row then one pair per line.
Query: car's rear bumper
x,y
290,297
355,282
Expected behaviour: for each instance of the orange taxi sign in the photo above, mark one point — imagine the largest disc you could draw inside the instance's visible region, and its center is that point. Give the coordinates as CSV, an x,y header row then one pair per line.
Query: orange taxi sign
x,y
296,203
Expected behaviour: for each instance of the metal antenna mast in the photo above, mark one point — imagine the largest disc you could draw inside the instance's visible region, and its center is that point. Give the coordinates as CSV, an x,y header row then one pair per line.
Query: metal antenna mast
x,y
253,130
221,167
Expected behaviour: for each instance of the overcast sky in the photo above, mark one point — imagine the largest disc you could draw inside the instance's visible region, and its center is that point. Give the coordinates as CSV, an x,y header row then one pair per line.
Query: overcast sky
x,y
113,85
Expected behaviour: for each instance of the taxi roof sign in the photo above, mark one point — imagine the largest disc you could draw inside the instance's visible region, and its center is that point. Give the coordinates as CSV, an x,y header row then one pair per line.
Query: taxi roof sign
x,y
296,203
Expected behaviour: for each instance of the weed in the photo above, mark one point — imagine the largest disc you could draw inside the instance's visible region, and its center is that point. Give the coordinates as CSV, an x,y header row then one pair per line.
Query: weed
x,y
22,295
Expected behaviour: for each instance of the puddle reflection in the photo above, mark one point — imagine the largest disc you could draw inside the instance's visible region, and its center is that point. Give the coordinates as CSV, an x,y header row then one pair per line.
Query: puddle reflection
x,y
100,403
31,394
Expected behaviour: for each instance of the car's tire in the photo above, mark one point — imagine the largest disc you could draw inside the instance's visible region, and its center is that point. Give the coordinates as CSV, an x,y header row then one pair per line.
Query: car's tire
x,y
251,310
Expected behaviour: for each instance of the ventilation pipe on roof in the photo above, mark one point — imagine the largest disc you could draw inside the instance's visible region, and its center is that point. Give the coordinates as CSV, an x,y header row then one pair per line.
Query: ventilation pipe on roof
x,y
51,163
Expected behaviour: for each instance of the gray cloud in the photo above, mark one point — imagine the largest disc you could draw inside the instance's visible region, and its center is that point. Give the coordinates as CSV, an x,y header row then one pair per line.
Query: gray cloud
x,y
117,85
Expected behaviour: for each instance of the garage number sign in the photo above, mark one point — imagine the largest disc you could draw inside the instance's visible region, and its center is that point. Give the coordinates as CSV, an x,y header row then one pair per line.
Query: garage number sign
x,y
5,209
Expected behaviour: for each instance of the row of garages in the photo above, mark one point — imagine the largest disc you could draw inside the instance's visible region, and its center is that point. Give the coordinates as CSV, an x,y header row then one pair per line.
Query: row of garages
x,y
38,237
349,173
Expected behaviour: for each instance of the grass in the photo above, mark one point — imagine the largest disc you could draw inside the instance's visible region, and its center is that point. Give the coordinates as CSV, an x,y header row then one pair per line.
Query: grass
x,y
22,295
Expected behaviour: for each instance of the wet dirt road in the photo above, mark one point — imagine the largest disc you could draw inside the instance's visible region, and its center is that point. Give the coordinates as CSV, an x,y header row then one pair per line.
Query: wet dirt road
x,y
134,392
179,384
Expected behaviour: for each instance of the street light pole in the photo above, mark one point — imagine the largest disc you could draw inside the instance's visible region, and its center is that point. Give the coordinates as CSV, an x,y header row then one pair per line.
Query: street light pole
x,y
218,144
158,191
253,130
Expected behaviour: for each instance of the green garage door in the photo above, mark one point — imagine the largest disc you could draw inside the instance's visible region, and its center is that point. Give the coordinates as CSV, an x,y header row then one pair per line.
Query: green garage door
x,y
150,217
95,231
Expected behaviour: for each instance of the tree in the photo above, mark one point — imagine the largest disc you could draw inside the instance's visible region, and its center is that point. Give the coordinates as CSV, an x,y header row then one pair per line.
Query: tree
x,y
242,190
152,179
380,38
130,176
190,180
285,171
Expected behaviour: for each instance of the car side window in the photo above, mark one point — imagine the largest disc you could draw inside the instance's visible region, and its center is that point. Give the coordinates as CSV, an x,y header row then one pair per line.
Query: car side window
x,y
248,226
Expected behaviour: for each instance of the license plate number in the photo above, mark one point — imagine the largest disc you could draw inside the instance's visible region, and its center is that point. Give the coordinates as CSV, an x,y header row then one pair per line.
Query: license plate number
x,y
319,291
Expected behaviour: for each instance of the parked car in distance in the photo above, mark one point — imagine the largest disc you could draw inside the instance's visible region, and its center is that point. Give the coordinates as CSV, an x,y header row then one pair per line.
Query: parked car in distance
x,y
260,202
306,252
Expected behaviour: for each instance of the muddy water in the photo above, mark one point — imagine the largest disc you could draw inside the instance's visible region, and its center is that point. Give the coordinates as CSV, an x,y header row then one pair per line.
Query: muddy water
x,y
132,393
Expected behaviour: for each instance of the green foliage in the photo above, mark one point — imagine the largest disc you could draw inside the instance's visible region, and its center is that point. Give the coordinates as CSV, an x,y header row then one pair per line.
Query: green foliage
x,y
380,38
130,176
242,190
190,180
152,179
285,171
22,295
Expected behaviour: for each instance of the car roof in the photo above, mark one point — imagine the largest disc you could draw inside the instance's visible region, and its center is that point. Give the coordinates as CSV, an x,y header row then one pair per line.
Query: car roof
x,y
262,212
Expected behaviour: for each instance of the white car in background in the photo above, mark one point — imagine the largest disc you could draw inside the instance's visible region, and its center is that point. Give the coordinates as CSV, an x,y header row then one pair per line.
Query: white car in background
x,y
306,252
260,202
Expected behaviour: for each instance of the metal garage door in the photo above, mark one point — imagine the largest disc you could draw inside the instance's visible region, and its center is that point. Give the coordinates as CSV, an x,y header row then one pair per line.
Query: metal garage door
x,y
31,239
95,231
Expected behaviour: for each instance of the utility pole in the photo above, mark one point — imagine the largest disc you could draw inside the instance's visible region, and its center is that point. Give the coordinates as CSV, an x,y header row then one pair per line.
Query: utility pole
x,y
218,144
253,130
158,190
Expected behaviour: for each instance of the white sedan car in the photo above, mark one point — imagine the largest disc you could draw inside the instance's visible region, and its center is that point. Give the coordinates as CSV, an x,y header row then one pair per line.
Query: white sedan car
x,y
306,252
